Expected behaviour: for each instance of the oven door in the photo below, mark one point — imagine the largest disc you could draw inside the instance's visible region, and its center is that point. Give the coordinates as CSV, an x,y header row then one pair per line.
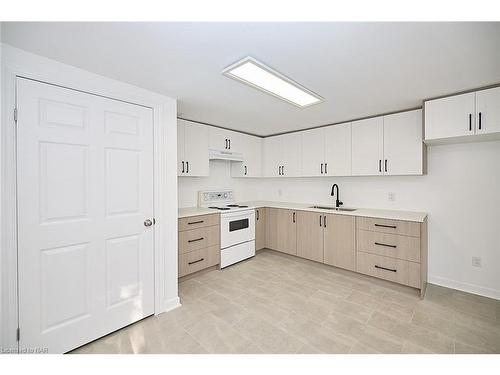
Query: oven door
x,y
237,227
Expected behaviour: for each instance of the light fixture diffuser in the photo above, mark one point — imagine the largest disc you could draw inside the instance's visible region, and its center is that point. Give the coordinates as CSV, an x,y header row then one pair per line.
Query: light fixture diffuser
x,y
262,77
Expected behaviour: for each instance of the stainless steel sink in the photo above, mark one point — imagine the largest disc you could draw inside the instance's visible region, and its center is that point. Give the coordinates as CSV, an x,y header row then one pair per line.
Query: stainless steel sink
x,y
334,208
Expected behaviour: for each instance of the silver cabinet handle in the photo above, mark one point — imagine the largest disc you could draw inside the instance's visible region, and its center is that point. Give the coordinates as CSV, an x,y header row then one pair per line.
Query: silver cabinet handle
x,y
148,222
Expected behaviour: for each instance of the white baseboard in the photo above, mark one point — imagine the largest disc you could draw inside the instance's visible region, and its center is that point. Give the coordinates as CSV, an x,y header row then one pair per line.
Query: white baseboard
x,y
170,304
465,287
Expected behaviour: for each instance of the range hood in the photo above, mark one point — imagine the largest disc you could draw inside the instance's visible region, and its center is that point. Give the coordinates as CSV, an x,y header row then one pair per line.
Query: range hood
x,y
224,155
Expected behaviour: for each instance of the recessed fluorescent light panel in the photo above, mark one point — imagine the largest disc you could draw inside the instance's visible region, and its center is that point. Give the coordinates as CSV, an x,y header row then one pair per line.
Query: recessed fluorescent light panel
x,y
260,76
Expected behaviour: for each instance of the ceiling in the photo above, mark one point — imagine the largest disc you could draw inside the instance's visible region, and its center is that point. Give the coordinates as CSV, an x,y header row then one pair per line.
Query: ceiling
x,y
361,69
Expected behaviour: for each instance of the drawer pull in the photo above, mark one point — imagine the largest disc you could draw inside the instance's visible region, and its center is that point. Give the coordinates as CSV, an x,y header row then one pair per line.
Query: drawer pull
x,y
386,226
196,261
196,239
387,269
196,222
384,244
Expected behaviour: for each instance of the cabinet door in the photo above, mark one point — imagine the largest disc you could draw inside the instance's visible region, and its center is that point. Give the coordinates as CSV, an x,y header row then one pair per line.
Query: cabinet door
x,y
251,147
339,247
196,149
218,138
367,146
260,228
338,150
450,117
282,230
403,145
252,152
313,152
310,235
181,164
272,156
488,111
292,154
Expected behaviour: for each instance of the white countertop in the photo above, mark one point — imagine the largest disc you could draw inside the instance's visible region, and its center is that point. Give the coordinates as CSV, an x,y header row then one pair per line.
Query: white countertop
x,y
365,212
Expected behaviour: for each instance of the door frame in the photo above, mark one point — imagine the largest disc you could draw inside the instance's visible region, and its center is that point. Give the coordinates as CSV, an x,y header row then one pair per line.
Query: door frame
x,y
19,63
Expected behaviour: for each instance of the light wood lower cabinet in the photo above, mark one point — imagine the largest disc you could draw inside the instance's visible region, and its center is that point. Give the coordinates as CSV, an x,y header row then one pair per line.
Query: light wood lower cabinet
x,y
393,250
282,230
260,228
310,239
198,243
340,241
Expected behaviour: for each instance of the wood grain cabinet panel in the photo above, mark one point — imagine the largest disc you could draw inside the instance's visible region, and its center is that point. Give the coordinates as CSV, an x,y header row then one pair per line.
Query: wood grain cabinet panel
x,y
194,239
386,268
198,260
200,221
282,230
405,228
340,240
260,228
310,235
391,245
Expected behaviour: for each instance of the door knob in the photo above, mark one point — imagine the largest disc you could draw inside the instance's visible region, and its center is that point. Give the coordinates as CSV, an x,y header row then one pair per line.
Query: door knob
x,y
148,223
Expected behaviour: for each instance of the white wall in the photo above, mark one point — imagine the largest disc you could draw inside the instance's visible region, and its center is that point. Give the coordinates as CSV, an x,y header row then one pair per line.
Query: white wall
x,y
220,178
461,193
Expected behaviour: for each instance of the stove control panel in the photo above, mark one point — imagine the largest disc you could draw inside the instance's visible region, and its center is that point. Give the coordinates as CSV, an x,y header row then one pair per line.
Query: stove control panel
x,y
215,198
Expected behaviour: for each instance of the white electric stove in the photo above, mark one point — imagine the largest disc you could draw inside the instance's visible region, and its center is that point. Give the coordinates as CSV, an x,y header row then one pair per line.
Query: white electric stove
x,y
237,225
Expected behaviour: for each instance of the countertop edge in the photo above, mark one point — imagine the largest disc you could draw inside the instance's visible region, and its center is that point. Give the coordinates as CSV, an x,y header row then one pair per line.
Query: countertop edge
x,y
412,216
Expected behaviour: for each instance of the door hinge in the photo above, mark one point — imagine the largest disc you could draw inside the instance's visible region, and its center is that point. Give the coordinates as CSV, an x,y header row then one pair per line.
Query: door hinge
x,y
18,334
15,115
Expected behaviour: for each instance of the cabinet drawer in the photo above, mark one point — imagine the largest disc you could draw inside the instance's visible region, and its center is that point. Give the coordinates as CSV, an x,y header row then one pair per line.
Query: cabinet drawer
x,y
406,228
198,259
194,239
195,222
389,245
386,268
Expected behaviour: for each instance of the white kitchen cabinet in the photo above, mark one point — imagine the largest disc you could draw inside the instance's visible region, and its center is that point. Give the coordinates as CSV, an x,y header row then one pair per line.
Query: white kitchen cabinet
x,y
338,150
192,149
273,150
292,155
326,151
453,116
313,152
403,147
488,111
282,155
367,146
251,147
222,139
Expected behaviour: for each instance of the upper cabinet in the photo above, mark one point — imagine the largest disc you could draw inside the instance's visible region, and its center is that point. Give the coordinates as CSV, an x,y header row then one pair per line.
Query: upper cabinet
x,y
326,151
388,145
403,146
488,111
192,149
367,146
222,139
466,117
283,155
251,147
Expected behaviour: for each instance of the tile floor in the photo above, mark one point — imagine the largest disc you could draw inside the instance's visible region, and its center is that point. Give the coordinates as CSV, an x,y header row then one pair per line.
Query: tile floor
x,y
274,303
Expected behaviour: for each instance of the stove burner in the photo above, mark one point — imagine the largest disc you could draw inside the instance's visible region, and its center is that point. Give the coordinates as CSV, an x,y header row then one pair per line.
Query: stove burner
x,y
220,208
243,206
236,205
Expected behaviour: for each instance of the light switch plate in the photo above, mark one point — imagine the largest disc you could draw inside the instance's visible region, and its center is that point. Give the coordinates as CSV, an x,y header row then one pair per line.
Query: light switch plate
x,y
476,261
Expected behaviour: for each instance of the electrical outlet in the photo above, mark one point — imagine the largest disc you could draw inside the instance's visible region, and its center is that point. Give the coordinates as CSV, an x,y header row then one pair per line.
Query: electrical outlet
x,y
476,261
280,192
391,196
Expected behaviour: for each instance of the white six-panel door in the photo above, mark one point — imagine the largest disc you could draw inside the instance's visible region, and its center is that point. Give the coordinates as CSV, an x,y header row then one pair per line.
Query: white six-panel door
x,y
85,188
